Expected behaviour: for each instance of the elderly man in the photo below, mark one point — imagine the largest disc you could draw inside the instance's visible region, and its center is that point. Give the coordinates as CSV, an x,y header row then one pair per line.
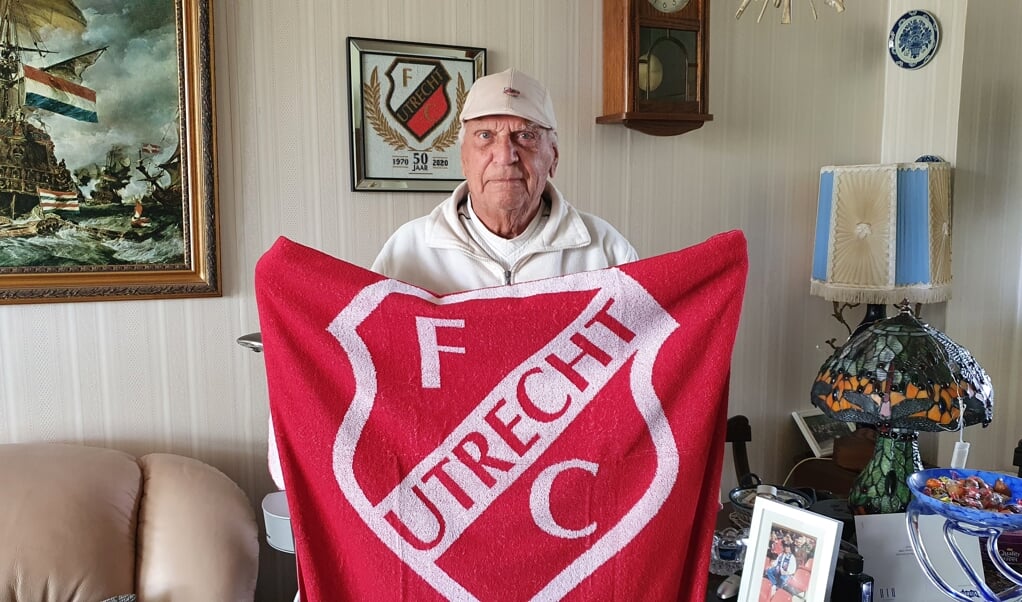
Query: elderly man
x,y
506,222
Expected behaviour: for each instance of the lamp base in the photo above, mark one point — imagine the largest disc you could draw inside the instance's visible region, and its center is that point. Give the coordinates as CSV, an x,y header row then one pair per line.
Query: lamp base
x,y
874,313
881,487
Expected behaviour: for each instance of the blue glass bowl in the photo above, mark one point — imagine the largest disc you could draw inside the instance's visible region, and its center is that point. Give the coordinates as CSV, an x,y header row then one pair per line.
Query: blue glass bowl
x,y
970,516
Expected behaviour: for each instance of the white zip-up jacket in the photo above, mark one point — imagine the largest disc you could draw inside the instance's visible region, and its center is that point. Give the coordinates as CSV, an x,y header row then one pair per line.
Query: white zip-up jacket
x,y
437,253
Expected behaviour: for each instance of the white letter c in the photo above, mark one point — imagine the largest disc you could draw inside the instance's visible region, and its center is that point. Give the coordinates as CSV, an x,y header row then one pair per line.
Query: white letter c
x,y
539,499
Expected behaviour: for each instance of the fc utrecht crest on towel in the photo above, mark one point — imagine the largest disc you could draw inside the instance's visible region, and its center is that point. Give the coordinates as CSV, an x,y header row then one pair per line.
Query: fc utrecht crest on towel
x,y
534,454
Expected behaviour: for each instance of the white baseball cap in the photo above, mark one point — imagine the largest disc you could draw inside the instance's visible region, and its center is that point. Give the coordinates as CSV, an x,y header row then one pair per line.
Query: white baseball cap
x,y
510,92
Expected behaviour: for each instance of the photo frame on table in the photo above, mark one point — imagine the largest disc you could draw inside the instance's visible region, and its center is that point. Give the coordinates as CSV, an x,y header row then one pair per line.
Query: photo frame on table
x,y
405,101
820,430
789,550
108,181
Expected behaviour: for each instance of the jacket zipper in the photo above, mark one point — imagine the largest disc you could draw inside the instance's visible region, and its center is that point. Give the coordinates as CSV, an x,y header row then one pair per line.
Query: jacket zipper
x,y
507,276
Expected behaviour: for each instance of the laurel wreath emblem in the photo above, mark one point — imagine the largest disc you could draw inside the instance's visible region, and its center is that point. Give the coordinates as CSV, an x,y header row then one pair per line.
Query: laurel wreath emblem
x,y
374,113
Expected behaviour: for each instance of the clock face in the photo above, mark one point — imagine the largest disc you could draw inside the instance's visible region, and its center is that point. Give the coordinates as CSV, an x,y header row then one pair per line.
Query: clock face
x,y
668,6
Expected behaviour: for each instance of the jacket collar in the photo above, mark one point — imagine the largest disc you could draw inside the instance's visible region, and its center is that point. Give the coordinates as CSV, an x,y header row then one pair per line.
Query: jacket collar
x,y
563,230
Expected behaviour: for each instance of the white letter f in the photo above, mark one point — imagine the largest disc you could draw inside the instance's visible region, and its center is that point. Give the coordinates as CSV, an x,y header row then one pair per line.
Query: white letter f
x,y
429,350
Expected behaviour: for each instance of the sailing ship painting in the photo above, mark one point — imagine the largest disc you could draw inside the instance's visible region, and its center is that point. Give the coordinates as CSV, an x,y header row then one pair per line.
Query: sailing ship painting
x,y
89,135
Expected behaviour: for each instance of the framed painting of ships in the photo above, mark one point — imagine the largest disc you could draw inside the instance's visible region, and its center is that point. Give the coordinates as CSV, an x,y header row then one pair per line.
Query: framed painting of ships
x,y
107,151
405,102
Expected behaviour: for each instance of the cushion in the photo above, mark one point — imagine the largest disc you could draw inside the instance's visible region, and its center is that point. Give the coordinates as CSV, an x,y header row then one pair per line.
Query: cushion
x,y
561,438
69,521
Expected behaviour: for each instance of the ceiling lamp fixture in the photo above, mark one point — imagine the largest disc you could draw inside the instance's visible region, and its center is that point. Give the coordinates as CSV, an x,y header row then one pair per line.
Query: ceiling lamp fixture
x,y
785,6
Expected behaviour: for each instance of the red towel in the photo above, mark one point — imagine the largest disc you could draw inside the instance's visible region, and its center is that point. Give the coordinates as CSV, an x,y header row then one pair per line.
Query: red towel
x,y
561,438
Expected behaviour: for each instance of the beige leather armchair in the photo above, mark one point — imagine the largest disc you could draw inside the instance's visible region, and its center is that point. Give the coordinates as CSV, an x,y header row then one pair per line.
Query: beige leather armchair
x,y
86,524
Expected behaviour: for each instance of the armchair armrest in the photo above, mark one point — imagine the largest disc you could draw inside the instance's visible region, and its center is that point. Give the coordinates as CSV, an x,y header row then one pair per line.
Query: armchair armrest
x,y
198,537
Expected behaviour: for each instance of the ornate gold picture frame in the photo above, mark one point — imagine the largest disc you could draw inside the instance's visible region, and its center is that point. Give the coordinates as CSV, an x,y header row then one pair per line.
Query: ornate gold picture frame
x,y
405,102
108,181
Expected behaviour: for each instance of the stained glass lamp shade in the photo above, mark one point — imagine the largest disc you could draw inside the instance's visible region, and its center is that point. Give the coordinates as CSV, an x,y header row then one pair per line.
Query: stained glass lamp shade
x,y
903,376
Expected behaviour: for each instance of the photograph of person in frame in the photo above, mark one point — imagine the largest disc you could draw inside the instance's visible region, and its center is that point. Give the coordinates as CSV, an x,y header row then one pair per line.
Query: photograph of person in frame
x,y
788,567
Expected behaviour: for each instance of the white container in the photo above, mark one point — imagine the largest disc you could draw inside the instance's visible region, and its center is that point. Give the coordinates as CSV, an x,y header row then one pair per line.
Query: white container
x,y
278,522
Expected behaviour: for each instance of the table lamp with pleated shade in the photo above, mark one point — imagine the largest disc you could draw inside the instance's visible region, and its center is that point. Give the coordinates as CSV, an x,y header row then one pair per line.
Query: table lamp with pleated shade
x,y
883,236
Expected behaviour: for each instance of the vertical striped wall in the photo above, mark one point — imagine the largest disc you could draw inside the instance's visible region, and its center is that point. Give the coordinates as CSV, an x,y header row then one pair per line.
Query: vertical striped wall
x,y
167,375
985,313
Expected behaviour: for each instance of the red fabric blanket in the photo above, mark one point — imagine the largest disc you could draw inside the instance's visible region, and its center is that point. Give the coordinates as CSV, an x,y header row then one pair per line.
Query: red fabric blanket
x,y
554,439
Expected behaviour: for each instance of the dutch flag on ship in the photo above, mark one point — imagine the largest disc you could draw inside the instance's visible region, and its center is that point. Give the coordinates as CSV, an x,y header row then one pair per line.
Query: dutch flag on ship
x,y
50,200
46,91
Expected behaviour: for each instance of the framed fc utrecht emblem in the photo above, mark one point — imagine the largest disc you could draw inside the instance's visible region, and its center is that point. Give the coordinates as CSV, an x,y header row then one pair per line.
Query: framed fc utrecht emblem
x,y
405,102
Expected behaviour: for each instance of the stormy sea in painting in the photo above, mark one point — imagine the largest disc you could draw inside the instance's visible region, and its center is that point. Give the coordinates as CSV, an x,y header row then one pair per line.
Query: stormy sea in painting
x,y
98,241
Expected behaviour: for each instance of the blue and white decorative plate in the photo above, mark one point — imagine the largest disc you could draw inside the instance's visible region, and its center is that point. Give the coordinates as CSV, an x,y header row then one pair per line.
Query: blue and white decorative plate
x,y
914,39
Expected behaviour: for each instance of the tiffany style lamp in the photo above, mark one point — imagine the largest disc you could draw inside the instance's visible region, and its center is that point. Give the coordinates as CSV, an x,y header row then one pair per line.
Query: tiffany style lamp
x,y
902,376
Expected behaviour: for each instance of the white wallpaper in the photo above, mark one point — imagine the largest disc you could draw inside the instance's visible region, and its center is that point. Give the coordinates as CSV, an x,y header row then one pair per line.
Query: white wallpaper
x,y
985,313
167,375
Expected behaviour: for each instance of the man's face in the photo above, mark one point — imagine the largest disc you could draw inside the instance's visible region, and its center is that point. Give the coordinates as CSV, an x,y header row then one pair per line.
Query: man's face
x,y
506,161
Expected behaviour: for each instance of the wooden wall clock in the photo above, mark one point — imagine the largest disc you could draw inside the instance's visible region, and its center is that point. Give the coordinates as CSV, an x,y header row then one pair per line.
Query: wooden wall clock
x,y
655,74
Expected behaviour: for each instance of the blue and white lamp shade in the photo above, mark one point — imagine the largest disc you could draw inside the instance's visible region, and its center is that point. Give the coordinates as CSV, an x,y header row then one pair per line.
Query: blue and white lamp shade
x,y
883,233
